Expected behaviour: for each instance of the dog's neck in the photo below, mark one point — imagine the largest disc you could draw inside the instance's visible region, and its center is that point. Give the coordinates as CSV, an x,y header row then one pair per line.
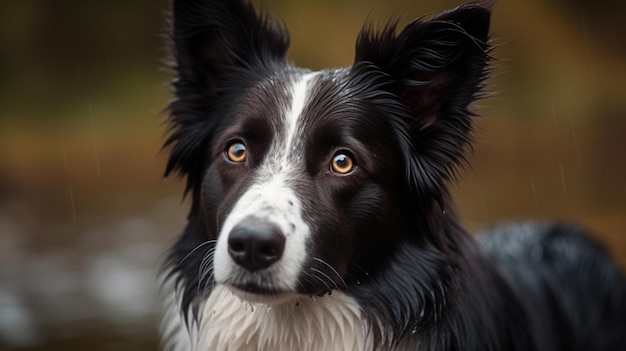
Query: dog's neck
x,y
226,322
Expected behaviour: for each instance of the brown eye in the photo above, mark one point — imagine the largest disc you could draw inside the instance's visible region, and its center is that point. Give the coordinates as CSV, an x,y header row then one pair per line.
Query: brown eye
x,y
342,164
236,152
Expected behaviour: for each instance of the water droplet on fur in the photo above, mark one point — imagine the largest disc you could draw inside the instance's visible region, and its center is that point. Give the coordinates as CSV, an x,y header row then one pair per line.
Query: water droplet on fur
x,y
414,330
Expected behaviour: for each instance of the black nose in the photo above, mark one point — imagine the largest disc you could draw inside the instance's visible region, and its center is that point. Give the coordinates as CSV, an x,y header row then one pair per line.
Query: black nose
x,y
255,244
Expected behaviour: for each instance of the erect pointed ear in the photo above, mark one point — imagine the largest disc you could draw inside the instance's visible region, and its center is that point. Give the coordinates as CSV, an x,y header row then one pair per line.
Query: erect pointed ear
x,y
214,37
213,43
435,68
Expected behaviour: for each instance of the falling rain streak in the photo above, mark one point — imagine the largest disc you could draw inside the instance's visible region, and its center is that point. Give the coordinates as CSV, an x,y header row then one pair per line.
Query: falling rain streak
x,y
95,144
69,186
592,68
72,202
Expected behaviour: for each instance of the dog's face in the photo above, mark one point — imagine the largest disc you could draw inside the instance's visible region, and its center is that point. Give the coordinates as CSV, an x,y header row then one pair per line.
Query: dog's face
x,y
296,179
303,182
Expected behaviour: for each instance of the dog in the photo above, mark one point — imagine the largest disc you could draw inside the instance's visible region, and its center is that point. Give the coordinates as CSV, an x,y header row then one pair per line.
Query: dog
x,y
320,214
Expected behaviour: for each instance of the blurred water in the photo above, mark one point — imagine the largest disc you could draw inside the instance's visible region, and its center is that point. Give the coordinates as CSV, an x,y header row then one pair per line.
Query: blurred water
x,y
104,280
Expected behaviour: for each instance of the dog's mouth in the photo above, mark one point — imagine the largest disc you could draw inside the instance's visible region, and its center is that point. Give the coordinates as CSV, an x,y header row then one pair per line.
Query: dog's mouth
x,y
253,293
260,290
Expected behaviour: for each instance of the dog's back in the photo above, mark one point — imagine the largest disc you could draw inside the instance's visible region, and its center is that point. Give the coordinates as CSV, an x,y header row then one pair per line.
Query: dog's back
x,y
572,290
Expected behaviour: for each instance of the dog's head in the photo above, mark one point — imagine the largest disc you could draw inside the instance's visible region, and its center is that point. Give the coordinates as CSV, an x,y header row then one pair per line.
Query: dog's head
x,y
303,182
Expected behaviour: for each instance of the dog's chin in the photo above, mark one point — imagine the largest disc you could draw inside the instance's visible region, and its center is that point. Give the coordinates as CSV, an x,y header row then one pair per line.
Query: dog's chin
x,y
262,295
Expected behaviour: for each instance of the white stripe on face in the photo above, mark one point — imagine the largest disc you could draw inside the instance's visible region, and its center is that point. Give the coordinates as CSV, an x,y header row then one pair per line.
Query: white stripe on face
x,y
293,129
271,198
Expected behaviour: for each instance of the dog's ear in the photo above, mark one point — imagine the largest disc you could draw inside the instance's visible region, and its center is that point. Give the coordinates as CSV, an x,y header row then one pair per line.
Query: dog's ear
x,y
213,43
435,68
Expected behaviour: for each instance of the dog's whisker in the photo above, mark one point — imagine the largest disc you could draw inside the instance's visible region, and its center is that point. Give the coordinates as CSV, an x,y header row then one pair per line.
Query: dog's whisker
x,y
343,282
196,248
206,262
210,281
324,275
205,267
360,268
358,279
318,277
206,276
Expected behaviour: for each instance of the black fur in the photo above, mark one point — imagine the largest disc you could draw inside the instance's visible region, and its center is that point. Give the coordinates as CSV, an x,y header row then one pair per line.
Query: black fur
x,y
389,230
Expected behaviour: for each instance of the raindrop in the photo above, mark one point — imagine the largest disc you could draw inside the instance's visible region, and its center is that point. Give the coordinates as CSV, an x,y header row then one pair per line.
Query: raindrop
x,y
72,202
589,45
95,144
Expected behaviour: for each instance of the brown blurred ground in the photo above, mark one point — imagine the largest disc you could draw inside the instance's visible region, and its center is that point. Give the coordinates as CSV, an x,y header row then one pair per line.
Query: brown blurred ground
x,y
85,214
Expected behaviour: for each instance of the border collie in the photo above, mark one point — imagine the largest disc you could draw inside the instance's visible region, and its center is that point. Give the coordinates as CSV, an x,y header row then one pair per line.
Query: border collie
x,y
320,217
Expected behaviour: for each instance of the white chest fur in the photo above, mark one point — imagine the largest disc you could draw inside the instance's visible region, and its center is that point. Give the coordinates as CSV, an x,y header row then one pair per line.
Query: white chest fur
x,y
332,322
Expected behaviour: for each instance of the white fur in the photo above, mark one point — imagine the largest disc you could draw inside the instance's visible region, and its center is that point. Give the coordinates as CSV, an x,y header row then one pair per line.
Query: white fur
x,y
291,323
175,336
271,198
332,322
268,201
294,129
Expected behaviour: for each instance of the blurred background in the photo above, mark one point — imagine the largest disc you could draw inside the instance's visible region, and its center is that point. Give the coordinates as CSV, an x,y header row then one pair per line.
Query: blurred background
x,y
85,214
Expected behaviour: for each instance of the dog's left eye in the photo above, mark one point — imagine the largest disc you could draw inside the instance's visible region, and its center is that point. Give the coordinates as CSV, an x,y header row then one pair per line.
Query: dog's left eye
x,y
236,152
342,164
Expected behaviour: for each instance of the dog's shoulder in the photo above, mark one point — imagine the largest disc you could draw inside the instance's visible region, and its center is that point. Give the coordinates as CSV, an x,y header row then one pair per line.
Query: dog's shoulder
x,y
562,272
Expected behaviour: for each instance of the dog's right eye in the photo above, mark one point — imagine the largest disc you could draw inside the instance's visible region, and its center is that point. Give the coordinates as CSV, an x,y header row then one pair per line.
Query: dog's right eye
x,y
236,152
342,164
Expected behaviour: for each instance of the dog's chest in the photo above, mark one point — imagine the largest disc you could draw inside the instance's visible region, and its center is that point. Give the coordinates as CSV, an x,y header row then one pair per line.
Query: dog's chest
x,y
332,322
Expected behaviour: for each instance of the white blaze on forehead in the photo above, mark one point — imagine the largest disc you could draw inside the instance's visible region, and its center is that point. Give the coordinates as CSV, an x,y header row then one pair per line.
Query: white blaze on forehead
x,y
293,123
271,198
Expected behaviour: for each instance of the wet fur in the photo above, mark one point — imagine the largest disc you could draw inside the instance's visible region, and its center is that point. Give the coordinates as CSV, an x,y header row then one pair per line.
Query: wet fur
x,y
385,264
